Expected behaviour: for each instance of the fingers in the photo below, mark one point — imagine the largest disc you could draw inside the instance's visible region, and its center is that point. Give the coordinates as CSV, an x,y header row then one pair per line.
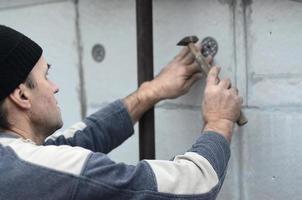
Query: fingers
x,y
199,46
184,51
189,58
225,83
213,78
209,59
234,90
193,68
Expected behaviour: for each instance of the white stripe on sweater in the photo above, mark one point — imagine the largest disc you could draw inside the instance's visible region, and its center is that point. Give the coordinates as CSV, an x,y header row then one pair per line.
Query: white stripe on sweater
x,y
186,174
61,158
68,133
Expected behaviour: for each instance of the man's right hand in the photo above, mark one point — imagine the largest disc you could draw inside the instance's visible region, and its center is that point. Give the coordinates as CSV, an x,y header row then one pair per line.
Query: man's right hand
x,y
174,80
221,105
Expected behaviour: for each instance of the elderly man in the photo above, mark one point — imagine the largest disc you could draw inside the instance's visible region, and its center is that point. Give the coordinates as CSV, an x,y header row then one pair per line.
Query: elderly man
x,y
74,165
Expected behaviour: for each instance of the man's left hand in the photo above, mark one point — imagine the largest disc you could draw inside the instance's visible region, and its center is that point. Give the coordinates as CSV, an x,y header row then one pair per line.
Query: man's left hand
x,y
176,78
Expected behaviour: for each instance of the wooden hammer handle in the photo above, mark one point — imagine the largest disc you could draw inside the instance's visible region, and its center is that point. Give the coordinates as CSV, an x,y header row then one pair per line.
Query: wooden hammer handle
x,y
205,68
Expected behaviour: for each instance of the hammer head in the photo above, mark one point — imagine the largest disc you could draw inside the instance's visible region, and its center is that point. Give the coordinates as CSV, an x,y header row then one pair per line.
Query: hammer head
x,y
186,40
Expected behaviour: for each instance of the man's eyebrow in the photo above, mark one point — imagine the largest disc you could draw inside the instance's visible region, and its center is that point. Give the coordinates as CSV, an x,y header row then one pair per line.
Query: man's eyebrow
x,y
48,65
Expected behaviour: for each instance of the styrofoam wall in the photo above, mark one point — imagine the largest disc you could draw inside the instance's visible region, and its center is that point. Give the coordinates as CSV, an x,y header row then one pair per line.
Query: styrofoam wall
x,y
260,44
111,24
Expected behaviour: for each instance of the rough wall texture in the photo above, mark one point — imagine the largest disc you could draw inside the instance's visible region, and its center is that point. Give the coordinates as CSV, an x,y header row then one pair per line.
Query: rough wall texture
x,y
260,44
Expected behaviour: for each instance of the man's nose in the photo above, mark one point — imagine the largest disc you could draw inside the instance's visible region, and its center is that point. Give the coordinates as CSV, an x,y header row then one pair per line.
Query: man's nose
x,y
55,87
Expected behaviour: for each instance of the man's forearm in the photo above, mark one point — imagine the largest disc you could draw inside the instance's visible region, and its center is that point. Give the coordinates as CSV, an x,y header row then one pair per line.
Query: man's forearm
x,y
141,100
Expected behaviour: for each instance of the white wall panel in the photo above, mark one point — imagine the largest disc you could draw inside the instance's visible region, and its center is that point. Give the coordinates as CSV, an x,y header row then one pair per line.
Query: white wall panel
x,y
112,24
271,164
271,141
274,53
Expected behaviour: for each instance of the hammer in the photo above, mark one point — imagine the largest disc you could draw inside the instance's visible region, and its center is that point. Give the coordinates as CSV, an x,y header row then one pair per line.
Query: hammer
x,y
205,67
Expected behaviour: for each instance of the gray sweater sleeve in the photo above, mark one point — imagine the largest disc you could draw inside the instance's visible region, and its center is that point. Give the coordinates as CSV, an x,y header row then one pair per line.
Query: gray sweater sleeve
x,y
99,132
216,149
197,174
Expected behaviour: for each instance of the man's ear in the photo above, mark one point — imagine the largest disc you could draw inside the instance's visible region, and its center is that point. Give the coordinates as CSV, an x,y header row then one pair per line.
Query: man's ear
x,y
20,96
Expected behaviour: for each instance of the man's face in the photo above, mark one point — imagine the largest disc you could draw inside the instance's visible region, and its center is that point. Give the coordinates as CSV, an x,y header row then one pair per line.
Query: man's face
x,y
45,114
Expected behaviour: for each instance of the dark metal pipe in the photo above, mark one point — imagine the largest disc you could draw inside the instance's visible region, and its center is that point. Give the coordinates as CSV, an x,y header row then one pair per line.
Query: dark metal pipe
x,y
145,73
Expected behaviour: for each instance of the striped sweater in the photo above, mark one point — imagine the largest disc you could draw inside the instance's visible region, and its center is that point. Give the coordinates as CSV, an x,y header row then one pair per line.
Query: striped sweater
x,y
74,165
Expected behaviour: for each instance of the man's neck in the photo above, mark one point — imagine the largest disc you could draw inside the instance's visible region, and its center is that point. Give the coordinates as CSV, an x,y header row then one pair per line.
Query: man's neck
x,y
26,135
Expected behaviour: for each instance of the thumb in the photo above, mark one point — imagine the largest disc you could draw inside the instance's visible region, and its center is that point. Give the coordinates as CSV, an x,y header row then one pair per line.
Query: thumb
x,y
213,78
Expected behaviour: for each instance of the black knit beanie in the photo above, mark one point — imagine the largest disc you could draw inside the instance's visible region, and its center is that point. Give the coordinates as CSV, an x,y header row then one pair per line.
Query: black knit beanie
x,y
18,55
